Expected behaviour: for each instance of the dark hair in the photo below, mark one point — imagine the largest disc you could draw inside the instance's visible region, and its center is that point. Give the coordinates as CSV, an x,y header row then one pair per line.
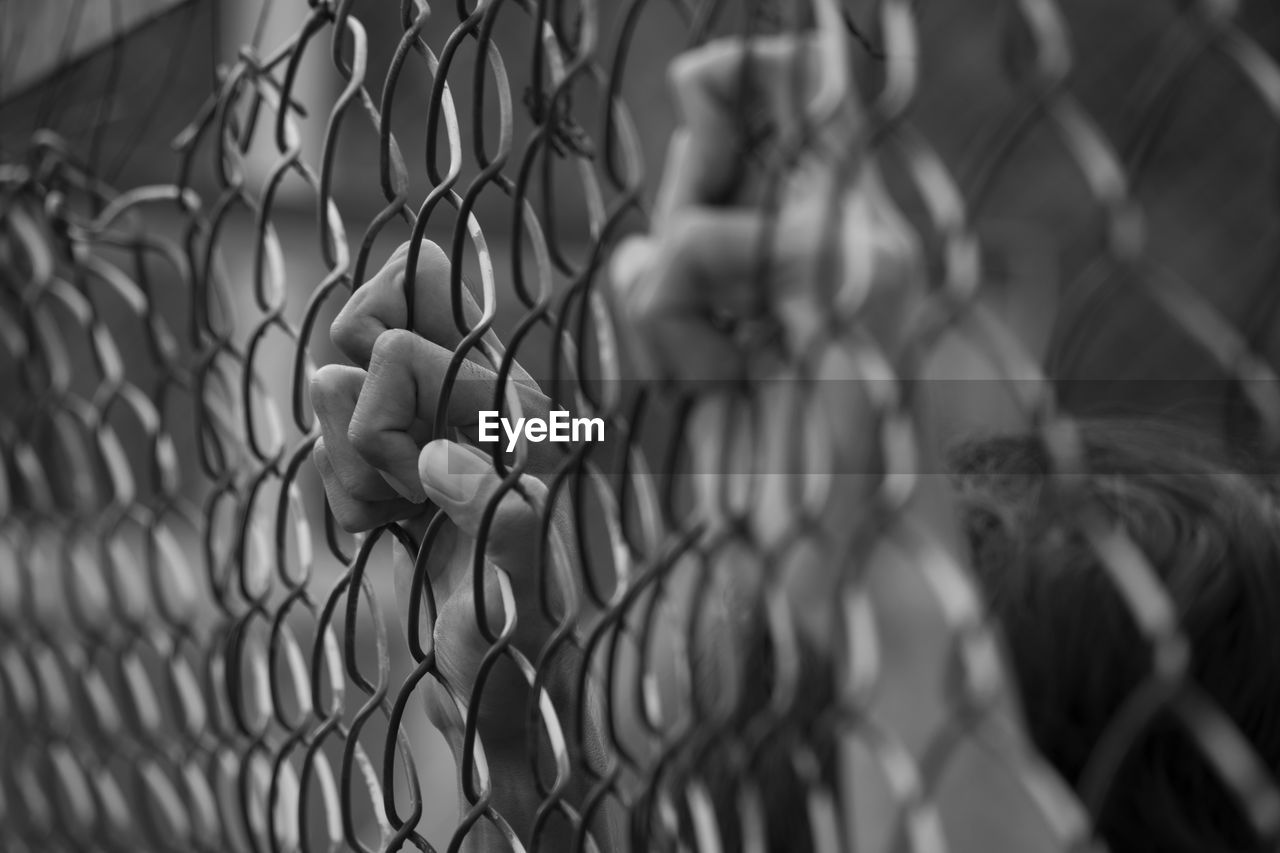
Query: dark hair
x,y
1212,534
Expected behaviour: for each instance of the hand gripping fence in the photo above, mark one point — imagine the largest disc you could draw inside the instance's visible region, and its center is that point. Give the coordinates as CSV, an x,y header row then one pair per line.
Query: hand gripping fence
x,y
193,655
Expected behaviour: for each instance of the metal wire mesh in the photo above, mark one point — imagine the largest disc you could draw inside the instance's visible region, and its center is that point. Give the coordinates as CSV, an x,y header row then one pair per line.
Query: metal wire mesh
x,y
194,657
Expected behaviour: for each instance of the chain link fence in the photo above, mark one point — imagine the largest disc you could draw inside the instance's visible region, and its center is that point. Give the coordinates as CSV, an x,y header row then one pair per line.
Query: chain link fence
x,y
195,656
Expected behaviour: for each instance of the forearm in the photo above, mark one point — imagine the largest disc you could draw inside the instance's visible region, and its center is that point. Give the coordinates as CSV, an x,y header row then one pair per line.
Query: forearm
x,y
518,781
512,793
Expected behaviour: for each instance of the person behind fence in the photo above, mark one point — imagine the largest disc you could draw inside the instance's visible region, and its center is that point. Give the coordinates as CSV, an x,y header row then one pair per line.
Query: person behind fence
x,y
688,300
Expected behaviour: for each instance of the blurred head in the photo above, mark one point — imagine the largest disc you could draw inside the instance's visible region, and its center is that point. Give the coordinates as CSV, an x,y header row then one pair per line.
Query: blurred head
x,y
1210,532
1213,536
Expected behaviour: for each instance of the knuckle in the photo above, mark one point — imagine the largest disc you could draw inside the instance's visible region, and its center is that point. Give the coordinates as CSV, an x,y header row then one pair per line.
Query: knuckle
x,y
646,318
394,345
366,442
401,252
676,255
399,260
358,516
638,308
431,265
345,331
535,489
690,68
685,233
683,70
324,386
431,257
320,459
693,74
629,261
367,486
351,521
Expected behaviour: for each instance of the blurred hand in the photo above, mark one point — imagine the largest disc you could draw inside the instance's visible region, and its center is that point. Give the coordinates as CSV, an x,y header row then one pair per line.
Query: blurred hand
x,y
807,298
832,241
786,329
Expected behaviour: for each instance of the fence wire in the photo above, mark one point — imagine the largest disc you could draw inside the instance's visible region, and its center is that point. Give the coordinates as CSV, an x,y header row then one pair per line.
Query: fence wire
x,y
194,655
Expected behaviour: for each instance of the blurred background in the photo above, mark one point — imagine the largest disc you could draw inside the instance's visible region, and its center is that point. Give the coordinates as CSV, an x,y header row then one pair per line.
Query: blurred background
x,y
1206,150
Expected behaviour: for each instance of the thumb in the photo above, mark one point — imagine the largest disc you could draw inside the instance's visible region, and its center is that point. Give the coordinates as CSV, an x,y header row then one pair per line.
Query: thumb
x,y
463,483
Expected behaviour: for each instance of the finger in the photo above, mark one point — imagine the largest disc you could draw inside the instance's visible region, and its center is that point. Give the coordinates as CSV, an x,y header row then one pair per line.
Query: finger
x,y
629,266
463,482
630,261
704,271
397,405
353,515
335,388
711,261
706,169
713,83
720,109
735,95
379,305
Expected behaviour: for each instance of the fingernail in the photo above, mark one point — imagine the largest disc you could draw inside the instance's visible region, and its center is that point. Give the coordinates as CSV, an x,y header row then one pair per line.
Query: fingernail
x,y
450,473
412,492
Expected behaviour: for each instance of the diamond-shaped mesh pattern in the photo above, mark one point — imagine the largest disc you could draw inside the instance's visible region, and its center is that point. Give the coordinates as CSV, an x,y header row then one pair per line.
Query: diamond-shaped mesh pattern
x,y
193,656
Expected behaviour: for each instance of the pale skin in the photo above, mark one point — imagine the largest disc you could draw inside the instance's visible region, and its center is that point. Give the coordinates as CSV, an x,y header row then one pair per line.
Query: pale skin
x,y
696,263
